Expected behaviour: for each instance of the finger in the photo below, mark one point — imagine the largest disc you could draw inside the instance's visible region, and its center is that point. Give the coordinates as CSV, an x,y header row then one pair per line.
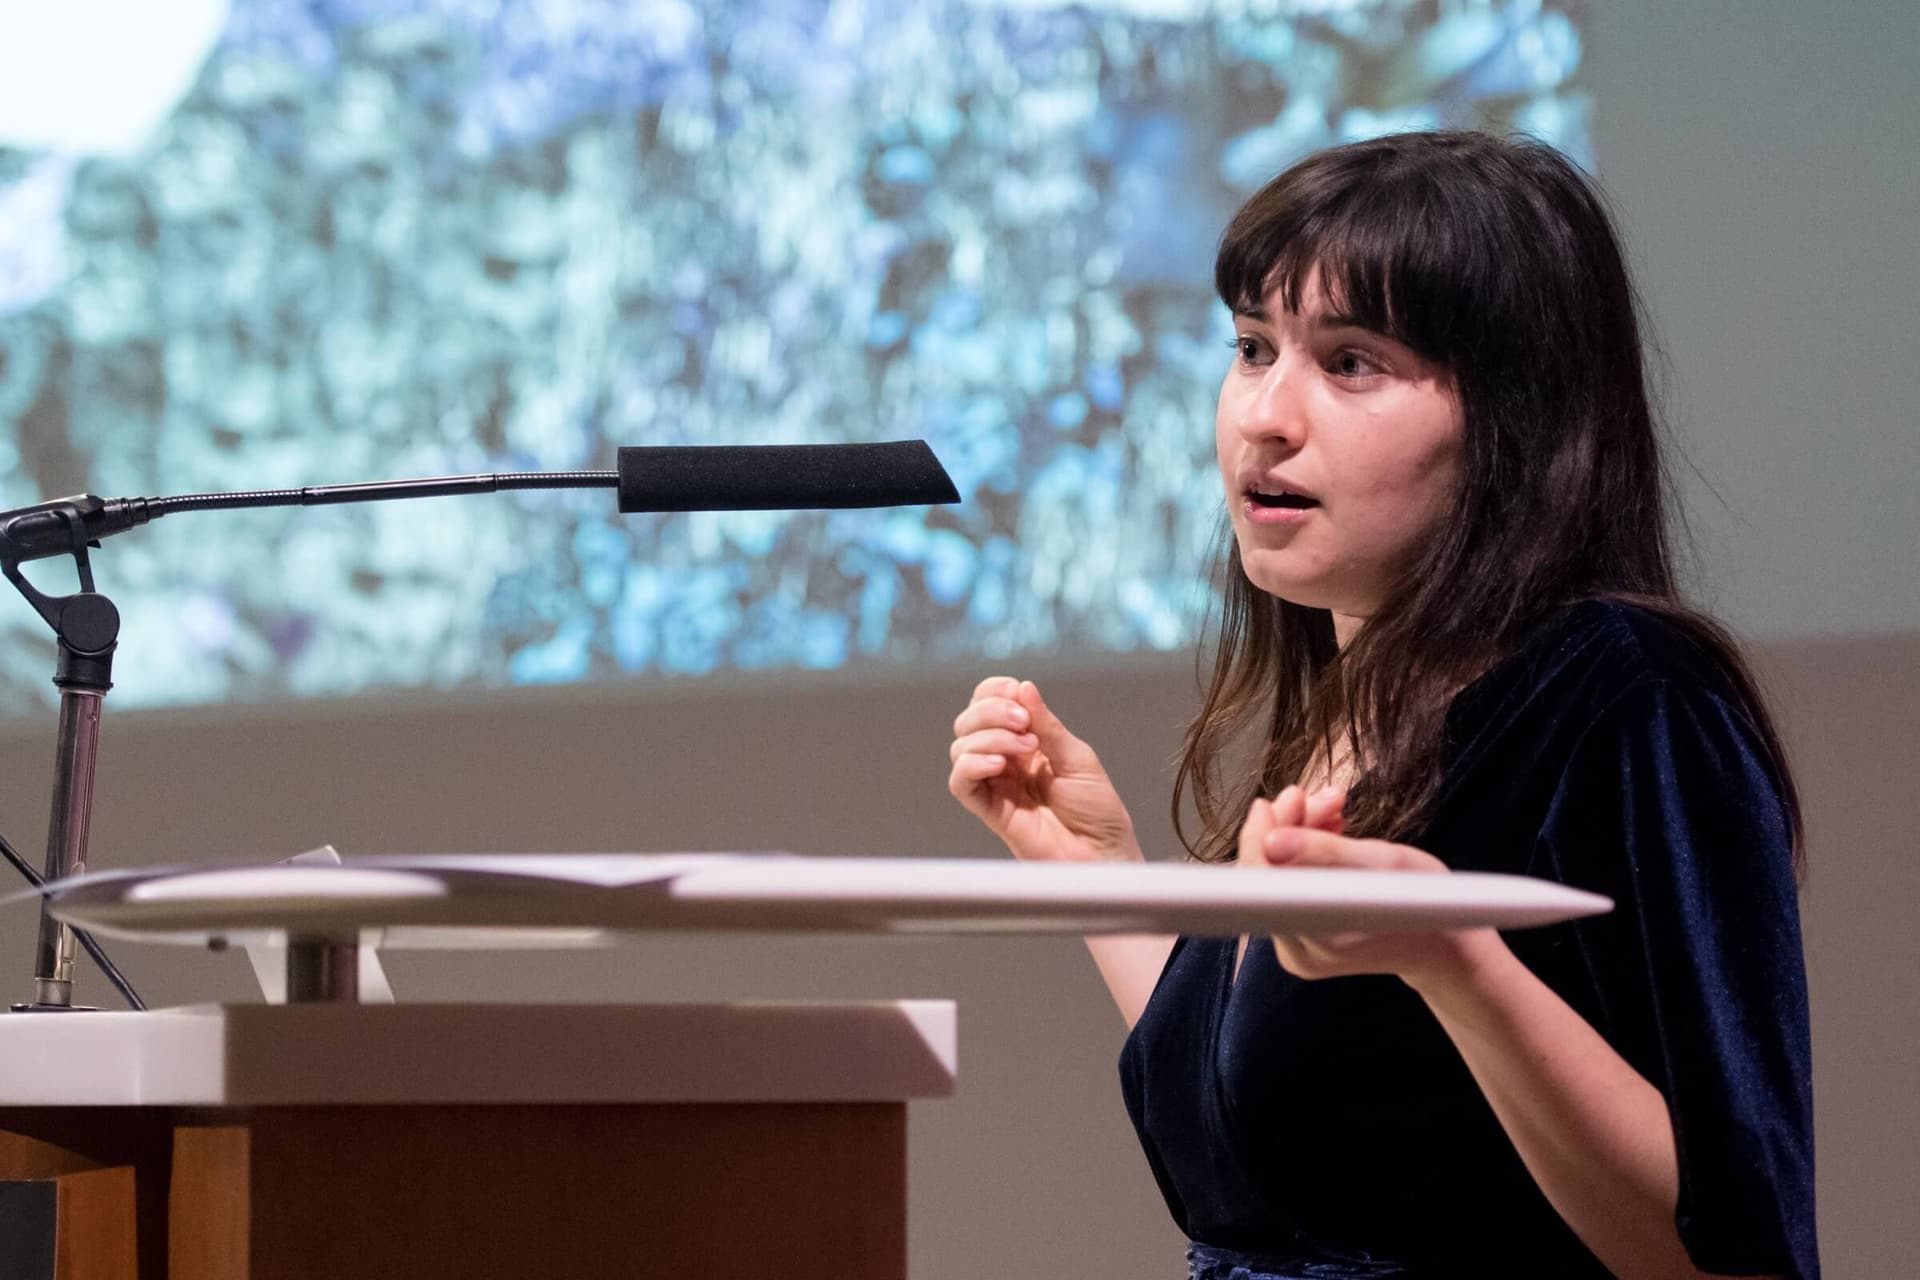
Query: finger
x,y
993,742
1324,809
1305,847
971,769
1254,829
1263,818
1288,952
1290,807
1055,738
992,713
995,687
1305,956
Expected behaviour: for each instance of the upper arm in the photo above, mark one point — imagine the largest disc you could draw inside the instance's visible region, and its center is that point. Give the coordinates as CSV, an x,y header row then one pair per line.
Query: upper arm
x,y
1671,807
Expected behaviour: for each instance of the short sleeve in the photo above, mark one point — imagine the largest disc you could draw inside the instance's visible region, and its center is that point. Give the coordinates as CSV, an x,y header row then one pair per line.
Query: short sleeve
x,y
1671,807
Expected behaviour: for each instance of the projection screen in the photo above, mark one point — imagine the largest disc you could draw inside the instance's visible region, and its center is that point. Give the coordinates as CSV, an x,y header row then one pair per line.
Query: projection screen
x,y
277,244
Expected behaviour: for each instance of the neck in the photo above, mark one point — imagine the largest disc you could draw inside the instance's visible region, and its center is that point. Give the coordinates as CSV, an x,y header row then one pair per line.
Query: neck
x,y
1345,627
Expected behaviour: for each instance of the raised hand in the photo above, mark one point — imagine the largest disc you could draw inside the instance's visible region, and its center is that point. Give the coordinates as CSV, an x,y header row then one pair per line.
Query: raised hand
x,y
1323,810
1277,833
1032,782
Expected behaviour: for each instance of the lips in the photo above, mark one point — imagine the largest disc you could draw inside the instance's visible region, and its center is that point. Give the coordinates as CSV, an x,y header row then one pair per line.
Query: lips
x,y
1267,490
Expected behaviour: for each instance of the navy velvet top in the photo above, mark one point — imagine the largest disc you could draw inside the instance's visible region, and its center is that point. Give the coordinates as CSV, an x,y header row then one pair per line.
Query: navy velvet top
x,y
1294,1126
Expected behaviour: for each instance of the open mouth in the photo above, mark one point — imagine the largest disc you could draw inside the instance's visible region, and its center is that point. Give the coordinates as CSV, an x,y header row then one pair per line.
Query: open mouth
x,y
1294,501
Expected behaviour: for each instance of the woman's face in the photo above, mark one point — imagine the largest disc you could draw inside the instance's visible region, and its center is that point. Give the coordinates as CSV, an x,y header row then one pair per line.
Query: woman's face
x,y
1340,450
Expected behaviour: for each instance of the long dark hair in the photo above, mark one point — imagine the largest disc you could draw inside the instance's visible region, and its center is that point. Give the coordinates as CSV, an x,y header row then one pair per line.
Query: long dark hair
x,y
1495,259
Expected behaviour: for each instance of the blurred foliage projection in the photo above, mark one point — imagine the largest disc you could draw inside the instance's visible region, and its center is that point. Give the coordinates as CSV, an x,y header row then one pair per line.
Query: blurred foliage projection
x,y
374,238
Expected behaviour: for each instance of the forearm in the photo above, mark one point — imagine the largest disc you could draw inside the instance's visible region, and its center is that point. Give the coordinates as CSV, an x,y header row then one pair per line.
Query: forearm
x,y
1593,1132
1131,964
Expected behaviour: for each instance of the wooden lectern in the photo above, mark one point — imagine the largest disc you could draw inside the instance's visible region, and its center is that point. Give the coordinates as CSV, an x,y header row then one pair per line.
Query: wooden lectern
x,y
338,1141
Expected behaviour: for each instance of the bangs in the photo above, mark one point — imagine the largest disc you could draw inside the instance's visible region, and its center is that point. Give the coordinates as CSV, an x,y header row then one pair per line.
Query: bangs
x,y
1387,252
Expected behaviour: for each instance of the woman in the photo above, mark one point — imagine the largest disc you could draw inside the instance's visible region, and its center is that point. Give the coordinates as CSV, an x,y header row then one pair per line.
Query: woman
x,y
1451,639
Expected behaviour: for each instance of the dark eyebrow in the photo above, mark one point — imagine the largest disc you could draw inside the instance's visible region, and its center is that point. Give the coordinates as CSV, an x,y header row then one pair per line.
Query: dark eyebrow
x,y
1330,321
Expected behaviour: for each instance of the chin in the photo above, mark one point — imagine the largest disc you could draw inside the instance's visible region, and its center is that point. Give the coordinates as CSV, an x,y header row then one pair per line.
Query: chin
x,y
1296,593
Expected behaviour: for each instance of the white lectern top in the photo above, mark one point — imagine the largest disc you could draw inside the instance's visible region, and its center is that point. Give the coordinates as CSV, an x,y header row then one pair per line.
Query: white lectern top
x,y
356,1054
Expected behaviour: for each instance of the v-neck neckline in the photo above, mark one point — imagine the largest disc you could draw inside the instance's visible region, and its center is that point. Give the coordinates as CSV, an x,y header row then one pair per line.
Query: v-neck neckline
x,y
1237,965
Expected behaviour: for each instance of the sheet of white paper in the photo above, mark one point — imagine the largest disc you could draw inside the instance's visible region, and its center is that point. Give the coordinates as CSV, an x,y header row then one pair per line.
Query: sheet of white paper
x,y
607,870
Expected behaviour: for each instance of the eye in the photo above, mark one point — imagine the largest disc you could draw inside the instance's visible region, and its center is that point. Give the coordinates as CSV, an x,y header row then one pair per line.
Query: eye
x,y
1249,349
1353,364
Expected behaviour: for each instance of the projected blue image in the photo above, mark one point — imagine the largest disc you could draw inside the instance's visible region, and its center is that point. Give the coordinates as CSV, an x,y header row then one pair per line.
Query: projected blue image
x,y
268,245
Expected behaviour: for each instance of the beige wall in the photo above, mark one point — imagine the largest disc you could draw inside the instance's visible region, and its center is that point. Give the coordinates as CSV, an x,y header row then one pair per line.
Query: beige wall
x,y
1852,709
1764,160
1032,1170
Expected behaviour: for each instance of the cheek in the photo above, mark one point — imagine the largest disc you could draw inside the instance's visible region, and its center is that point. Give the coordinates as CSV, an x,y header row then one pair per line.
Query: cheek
x,y
1437,472
1225,439
1412,467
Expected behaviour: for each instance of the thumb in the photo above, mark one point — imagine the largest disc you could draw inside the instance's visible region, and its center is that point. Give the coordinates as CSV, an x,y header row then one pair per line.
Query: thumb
x,y
1056,739
1260,820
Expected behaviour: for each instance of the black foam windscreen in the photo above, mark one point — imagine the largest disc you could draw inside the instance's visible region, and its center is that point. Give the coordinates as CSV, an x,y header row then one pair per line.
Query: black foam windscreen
x,y
781,477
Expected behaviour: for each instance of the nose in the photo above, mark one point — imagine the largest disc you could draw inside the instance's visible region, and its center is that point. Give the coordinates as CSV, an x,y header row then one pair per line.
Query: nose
x,y
1270,411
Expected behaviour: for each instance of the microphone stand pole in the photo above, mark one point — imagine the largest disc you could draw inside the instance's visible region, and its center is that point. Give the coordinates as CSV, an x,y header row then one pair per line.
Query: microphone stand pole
x,y
81,693
87,627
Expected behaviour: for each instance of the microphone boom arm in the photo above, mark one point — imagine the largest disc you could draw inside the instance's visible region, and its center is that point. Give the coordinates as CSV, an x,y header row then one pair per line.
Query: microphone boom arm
x,y
323,495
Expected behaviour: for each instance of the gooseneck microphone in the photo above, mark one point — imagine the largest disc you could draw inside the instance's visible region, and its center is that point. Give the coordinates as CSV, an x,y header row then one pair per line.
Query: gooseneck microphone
x,y
780,477
671,478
